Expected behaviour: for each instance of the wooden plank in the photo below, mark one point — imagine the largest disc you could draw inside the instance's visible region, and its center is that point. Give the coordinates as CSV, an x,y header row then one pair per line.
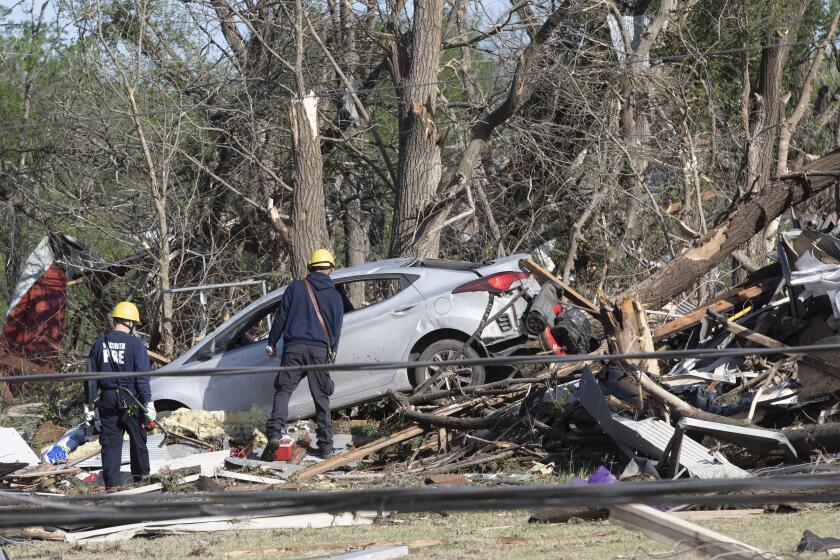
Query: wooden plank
x,y
249,477
159,358
722,305
573,295
706,515
355,454
22,365
154,487
673,531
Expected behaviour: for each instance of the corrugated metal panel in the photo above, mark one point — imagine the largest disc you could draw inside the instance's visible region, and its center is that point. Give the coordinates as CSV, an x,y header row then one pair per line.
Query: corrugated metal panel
x,y
155,453
651,436
697,459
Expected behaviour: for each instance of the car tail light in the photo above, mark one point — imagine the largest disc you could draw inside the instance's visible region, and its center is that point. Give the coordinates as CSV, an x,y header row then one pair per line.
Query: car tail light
x,y
495,283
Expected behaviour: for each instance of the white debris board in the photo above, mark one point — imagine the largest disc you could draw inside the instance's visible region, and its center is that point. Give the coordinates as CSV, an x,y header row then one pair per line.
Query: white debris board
x,y
14,450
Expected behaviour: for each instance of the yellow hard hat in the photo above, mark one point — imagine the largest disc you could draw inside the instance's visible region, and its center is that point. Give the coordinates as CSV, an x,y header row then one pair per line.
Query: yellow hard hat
x,y
127,311
321,258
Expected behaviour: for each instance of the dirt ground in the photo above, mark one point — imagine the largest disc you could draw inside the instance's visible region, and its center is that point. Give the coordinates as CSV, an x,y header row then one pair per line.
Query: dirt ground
x,y
487,536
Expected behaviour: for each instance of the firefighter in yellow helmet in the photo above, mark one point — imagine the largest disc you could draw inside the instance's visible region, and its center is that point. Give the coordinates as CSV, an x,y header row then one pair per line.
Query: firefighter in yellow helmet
x,y
308,320
118,399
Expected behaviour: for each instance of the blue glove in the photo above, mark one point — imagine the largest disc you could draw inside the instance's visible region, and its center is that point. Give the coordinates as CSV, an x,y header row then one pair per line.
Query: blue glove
x,y
56,454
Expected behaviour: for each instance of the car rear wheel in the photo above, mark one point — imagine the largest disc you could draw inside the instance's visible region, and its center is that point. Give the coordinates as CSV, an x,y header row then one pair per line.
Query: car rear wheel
x,y
450,377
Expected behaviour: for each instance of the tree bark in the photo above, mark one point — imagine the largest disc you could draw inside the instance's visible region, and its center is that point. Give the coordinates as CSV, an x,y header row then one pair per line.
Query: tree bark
x,y
309,216
415,67
767,107
309,221
426,219
789,124
745,221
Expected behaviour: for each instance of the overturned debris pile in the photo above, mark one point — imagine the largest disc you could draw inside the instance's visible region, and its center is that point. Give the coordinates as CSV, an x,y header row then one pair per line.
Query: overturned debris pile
x,y
718,415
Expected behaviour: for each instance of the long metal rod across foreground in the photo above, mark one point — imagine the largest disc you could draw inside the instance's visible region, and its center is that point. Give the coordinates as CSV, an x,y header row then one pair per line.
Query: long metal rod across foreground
x,y
371,366
79,511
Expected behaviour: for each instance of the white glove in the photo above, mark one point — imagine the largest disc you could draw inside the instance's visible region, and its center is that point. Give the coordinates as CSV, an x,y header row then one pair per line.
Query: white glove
x,y
151,413
89,416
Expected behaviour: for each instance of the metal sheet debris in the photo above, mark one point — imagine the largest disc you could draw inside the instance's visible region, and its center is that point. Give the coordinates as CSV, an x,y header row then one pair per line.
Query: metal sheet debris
x,y
13,449
651,436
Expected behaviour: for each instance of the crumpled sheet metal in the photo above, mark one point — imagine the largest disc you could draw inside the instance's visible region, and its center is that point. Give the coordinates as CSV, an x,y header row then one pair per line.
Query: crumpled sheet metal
x,y
815,265
651,436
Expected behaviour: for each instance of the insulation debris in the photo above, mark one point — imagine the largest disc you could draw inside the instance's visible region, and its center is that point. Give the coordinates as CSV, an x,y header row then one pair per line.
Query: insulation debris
x,y
216,425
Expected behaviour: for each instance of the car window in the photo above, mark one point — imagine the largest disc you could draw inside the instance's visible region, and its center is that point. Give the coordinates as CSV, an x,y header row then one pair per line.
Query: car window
x,y
358,294
251,329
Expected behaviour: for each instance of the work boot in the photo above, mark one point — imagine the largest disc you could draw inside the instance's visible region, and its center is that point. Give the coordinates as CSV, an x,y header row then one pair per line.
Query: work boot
x,y
324,452
270,448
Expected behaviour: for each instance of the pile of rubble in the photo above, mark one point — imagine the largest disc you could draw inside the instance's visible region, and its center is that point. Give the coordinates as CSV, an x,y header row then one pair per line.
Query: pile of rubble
x,y
742,405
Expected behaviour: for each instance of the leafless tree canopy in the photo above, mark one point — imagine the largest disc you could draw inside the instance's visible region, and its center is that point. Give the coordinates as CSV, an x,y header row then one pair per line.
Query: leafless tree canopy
x,y
223,140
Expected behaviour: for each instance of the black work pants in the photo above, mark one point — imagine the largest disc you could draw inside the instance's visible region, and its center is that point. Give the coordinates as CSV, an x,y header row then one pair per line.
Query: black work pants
x,y
115,422
320,385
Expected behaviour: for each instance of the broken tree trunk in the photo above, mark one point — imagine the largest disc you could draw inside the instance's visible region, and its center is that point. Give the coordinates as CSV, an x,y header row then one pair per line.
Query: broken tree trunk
x,y
745,221
822,437
309,231
634,334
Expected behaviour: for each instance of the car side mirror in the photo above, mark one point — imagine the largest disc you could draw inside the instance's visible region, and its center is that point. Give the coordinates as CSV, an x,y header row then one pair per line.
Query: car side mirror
x,y
205,353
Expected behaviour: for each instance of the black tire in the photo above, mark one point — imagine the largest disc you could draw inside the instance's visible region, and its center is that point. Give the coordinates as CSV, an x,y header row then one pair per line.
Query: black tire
x,y
444,350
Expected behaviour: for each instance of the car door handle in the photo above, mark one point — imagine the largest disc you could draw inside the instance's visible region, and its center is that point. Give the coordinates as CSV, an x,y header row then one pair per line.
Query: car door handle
x,y
403,310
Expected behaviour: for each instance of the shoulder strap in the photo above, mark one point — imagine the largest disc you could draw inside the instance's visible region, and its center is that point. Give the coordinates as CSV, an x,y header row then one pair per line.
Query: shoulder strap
x,y
318,311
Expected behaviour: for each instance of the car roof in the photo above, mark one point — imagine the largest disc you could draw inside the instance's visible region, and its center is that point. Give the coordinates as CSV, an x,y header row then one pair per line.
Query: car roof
x,y
373,267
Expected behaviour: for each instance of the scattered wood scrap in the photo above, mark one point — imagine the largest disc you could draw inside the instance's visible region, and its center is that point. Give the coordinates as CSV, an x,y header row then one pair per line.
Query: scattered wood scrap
x,y
674,531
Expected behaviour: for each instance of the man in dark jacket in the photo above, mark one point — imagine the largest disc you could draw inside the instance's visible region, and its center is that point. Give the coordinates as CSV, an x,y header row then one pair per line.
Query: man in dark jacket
x,y
309,320
118,398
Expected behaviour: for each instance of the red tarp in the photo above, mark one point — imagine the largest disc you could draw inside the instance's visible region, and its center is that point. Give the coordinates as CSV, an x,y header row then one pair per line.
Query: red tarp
x,y
35,327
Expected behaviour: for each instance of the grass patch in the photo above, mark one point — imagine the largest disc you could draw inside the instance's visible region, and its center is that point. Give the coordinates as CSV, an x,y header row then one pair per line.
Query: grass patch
x,y
504,535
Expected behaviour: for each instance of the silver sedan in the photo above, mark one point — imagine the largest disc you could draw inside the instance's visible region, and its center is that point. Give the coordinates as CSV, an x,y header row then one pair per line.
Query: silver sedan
x,y
395,310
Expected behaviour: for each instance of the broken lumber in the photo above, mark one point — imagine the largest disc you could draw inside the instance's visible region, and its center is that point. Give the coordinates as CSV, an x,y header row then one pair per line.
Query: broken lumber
x,y
711,514
747,219
573,295
355,454
722,304
634,334
764,340
673,531
244,477
157,486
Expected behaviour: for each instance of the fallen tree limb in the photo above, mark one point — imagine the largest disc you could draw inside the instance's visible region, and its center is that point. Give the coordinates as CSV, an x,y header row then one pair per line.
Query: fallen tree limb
x,y
470,463
354,454
504,386
822,437
749,218
439,421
